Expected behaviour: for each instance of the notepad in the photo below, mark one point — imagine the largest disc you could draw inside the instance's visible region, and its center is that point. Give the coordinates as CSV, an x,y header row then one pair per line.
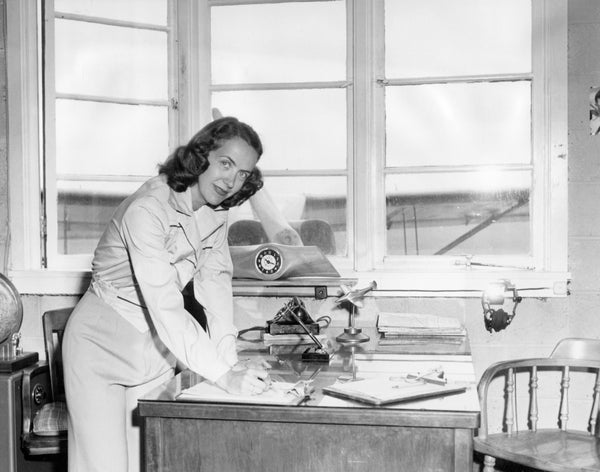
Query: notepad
x,y
280,393
383,391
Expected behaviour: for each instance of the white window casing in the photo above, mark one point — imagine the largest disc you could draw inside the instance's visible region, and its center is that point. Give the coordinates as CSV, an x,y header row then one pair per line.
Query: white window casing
x,y
190,83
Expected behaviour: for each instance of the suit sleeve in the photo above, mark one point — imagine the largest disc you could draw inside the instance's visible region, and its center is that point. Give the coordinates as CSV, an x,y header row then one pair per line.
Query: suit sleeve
x,y
212,288
144,230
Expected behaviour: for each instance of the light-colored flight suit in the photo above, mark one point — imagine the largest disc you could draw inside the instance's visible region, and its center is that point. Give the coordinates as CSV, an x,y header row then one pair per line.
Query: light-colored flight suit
x,y
130,327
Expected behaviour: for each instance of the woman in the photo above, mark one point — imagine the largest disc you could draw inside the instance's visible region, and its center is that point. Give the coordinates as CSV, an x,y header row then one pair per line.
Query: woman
x,y
130,328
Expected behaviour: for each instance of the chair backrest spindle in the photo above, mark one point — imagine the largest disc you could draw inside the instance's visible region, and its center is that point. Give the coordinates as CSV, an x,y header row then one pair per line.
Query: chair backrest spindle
x,y
533,399
510,401
564,398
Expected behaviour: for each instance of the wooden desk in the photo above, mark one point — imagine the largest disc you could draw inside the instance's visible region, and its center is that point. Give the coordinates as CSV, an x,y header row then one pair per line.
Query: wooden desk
x,y
323,433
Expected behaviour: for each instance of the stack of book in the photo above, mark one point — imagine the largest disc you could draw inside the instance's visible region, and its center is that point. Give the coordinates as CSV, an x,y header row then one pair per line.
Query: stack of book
x,y
414,327
292,338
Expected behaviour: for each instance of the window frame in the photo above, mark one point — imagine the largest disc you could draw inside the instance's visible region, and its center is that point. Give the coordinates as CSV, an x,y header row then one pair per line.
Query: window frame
x,y
549,193
398,276
49,176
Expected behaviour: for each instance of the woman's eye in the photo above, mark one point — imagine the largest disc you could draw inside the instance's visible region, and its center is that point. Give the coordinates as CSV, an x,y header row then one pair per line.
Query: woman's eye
x,y
244,174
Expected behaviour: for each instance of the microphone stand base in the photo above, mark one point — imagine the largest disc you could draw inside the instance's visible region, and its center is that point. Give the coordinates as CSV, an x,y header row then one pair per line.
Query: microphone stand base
x,y
352,335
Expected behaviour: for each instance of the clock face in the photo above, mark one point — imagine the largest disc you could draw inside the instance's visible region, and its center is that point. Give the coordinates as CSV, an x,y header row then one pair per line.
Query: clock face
x,y
268,261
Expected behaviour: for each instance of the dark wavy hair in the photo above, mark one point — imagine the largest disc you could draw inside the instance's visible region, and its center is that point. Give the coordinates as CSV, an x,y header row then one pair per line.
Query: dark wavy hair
x,y
183,167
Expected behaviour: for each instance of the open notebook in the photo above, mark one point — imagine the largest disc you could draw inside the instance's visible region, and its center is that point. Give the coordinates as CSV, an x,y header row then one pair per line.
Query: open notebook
x,y
280,393
383,390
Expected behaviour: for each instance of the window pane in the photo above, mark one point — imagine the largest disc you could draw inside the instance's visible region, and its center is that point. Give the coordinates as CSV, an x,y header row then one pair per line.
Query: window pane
x,y
110,61
479,213
143,11
437,37
287,42
300,129
106,139
453,124
305,198
84,209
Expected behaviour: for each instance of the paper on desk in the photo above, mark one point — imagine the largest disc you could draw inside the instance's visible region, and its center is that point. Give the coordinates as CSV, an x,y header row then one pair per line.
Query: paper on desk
x,y
466,401
384,390
278,394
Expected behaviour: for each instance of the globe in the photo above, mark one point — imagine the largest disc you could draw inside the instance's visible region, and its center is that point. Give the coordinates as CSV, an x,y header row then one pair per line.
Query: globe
x,y
11,310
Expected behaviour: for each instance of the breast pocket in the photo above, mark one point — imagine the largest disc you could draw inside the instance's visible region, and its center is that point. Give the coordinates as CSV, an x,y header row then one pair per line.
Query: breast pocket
x,y
182,255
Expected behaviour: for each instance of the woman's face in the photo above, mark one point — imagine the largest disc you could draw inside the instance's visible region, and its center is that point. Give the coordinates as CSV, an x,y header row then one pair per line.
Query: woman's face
x,y
229,166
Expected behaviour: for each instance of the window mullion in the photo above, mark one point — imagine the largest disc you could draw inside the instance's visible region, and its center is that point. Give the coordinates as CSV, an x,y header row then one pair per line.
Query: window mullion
x,y
173,68
192,65
22,63
549,98
50,185
364,166
378,147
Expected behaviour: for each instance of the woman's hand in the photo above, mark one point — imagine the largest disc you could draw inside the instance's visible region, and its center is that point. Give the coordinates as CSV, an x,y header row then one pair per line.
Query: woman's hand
x,y
242,380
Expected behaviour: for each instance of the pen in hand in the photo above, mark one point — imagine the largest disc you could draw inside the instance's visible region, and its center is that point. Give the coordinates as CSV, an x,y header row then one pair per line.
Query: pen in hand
x,y
268,382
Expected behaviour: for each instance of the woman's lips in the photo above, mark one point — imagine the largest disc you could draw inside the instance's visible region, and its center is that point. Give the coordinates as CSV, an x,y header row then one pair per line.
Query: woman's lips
x,y
220,191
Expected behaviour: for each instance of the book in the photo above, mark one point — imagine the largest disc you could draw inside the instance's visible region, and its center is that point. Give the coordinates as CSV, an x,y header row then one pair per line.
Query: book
x,y
424,339
387,390
416,324
293,338
280,393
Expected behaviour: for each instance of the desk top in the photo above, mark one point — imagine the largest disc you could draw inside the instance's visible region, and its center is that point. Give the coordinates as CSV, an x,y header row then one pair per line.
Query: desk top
x,y
366,360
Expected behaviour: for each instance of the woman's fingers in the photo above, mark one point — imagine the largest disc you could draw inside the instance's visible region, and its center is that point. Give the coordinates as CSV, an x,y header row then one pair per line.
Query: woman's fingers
x,y
245,381
257,380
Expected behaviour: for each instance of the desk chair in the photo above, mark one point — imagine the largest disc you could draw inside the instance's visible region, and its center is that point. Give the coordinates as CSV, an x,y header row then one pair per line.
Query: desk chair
x,y
572,442
43,393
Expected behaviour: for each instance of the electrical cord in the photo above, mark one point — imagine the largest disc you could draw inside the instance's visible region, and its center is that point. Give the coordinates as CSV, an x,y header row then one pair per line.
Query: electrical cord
x,y
241,332
326,319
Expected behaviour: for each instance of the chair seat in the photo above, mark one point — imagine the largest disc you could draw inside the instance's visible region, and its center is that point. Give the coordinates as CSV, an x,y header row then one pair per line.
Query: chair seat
x,y
551,450
48,434
51,419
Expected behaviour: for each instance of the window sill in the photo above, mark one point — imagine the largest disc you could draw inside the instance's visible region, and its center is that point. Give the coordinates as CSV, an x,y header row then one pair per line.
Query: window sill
x,y
466,283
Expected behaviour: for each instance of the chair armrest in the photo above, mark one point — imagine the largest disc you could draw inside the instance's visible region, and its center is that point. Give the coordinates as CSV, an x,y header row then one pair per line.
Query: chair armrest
x,y
35,392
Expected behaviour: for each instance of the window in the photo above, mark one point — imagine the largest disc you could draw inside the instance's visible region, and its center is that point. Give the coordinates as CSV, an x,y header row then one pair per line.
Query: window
x,y
106,115
438,161
458,114
294,91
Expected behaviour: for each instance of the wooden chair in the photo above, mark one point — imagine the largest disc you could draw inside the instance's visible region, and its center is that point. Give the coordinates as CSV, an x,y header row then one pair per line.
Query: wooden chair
x,y
43,393
541,427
